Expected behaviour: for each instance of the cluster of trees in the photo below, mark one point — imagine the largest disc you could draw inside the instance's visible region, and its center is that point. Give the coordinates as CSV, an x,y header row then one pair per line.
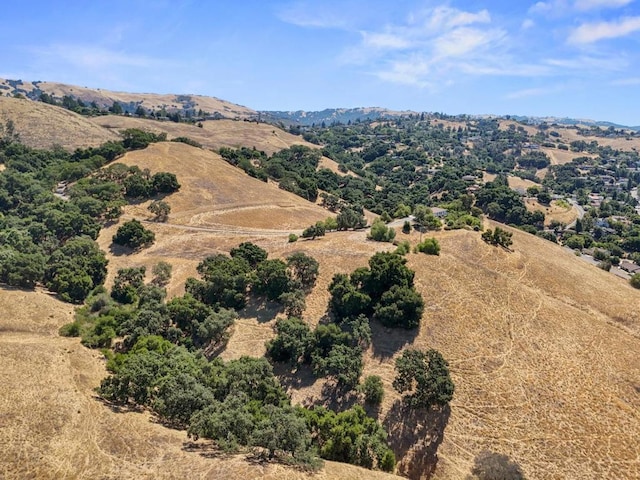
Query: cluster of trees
x,y
227,280
166,361
77,105
380,232
384,291
294,168
498,237
424,378
501,203
49,238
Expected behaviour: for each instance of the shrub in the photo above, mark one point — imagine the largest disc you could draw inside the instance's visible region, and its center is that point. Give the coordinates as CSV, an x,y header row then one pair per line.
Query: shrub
x,y
634,281
293,238
132,234
430,246
372,389
380,232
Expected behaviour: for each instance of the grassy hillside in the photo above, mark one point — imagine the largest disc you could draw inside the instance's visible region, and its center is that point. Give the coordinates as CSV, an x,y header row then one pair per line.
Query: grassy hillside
x,y
44,126
542,349
150,101
54,427
216,201
213,134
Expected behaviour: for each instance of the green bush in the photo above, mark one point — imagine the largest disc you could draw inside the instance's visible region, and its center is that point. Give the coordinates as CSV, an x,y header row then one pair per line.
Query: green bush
x,y
132,234
380,232
372,389
430,246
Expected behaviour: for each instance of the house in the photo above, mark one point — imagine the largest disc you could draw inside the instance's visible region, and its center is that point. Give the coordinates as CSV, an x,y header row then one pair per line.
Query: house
x,y
439,212
629,267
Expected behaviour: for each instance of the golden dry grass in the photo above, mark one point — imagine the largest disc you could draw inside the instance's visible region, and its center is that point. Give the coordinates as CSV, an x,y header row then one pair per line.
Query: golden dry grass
x,y
216,205
152,101
553,212
517,182
53,427
542,349
570,134
43,126
213,134
560,157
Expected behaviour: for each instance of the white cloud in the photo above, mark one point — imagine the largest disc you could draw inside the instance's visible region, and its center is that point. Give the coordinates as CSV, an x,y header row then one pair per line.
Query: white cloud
x,y
385,40
593,32
443,18
305,14
530,92
589,63
413,71
463,41
430,46
561,7
527,24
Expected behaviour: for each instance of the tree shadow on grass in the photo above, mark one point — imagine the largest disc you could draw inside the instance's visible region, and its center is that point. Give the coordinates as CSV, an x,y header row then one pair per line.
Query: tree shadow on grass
x,y
386,342
261,309
120,250
414,436
205,448
294,376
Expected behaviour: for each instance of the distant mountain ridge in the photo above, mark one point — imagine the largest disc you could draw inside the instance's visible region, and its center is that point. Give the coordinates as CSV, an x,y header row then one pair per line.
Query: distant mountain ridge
x,y
346,115
192,105
333,115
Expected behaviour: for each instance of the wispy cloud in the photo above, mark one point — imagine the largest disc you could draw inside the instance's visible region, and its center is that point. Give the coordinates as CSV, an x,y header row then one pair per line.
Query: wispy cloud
x,y
598,4
593,32
590,63
558,7
625,82
531,92
94,57
305,14
385,40
527,24
429,46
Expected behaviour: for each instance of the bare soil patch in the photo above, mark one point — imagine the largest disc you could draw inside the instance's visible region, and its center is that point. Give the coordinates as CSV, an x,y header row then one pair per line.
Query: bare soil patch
x,y
560,157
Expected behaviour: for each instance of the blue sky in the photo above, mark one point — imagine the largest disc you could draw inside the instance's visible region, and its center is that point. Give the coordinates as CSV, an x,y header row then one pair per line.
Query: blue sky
x,y
578,58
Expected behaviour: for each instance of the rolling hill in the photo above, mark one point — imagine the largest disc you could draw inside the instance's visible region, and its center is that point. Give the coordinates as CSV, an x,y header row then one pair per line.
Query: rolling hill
x,y
129,101
542,347
44,126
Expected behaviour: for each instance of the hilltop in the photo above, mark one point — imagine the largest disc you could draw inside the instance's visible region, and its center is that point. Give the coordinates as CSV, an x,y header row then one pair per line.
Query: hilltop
x,y
182,103
542,346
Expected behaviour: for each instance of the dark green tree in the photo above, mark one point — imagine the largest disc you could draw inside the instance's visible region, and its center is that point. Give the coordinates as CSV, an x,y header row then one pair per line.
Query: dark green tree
x,y
425,375
250,252
160,209
273,279
132,234
304,269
